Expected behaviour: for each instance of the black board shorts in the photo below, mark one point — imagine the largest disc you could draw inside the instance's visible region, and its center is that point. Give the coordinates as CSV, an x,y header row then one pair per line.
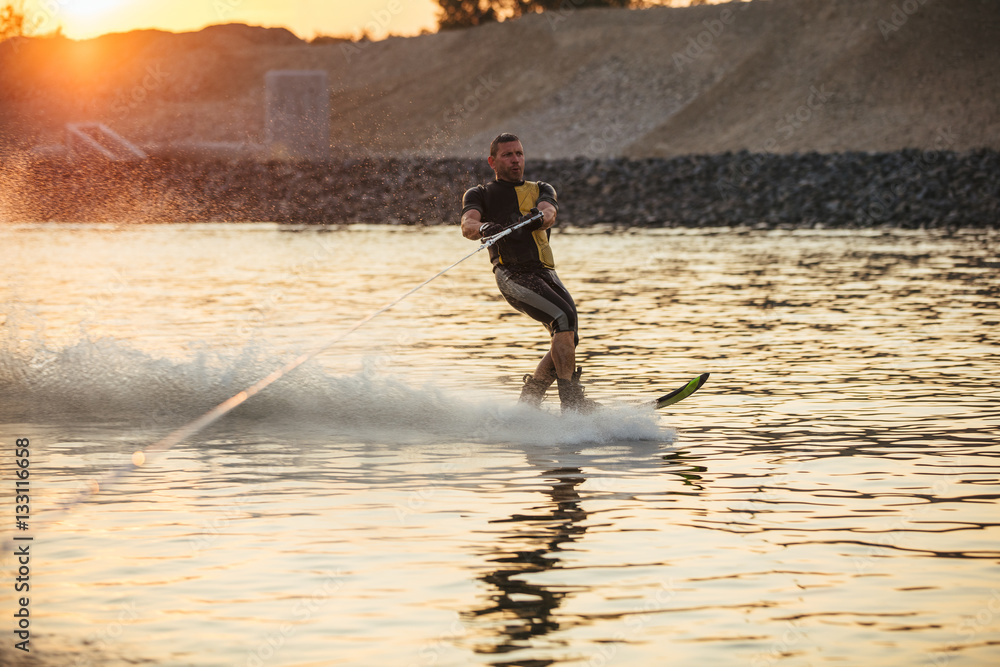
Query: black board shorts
x,y
540,295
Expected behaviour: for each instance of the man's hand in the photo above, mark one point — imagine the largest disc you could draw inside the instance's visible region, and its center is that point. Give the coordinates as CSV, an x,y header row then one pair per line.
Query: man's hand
x,y
549,211
490,228
471,222
537,224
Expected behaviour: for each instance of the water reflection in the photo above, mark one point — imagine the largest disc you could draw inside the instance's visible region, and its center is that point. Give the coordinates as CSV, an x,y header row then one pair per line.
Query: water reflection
x,y
681,464
830,497
520,611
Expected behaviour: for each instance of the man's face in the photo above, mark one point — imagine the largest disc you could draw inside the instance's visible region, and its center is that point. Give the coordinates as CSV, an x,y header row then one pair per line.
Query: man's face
x,y
509,162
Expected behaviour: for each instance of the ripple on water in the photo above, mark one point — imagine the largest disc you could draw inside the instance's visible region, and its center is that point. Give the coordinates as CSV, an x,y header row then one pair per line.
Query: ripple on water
x,y
829,496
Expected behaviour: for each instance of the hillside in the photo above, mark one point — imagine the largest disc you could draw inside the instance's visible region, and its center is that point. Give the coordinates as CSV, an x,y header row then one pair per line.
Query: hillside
x,y
777,76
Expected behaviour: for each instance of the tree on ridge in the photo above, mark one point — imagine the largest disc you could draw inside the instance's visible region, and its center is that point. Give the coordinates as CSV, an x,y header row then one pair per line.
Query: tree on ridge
x,y
466,13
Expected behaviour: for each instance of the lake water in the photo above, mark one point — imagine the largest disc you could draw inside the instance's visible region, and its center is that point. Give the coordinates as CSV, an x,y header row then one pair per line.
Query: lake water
x,y
828,498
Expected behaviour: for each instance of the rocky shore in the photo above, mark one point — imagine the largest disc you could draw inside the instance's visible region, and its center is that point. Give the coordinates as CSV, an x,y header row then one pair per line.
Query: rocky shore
x,y
911,188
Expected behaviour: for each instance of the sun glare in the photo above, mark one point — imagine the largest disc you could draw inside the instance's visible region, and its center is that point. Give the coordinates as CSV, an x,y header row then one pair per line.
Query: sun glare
x,y
89,16
89,8
86,19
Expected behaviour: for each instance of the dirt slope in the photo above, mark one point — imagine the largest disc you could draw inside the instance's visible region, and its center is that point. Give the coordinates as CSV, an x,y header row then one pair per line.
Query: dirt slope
x,y
774,75
846,76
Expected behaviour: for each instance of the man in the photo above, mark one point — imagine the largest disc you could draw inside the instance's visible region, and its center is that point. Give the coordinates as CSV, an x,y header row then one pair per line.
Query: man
x,y
524,267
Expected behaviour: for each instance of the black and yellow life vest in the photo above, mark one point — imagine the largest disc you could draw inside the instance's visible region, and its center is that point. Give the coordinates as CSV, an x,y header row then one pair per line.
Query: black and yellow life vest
x,y
503,203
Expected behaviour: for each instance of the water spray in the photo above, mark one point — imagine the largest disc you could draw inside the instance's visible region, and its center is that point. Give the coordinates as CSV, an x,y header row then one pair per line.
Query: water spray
x,y
222,409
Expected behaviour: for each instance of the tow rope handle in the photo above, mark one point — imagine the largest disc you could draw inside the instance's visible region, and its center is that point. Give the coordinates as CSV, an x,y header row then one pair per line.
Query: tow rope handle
x,y
490,240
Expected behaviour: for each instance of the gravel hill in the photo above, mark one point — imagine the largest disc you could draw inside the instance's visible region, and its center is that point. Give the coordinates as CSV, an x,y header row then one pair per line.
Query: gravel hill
x,y
775,76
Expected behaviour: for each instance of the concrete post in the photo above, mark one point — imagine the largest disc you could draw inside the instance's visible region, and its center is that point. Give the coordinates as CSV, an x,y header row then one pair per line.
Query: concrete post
x,y
297,114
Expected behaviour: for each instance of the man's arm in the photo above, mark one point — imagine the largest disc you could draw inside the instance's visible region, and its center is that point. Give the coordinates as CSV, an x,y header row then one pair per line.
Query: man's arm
x,y
472,220
548,212
546,203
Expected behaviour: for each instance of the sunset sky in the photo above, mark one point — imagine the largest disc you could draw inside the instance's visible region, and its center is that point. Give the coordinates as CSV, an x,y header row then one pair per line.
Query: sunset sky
x,y
81,19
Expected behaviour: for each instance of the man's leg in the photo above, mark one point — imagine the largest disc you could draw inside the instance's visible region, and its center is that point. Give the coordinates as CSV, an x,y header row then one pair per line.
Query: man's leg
x,y
564,351
568,376
559,363
546,370
541,296
563,354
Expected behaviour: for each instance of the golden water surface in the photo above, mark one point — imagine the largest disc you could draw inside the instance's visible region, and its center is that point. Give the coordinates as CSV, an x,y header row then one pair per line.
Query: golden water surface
x,y
828,498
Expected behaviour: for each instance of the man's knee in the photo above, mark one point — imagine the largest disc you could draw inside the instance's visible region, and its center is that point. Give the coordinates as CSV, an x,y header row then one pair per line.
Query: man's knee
x,y
566,336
